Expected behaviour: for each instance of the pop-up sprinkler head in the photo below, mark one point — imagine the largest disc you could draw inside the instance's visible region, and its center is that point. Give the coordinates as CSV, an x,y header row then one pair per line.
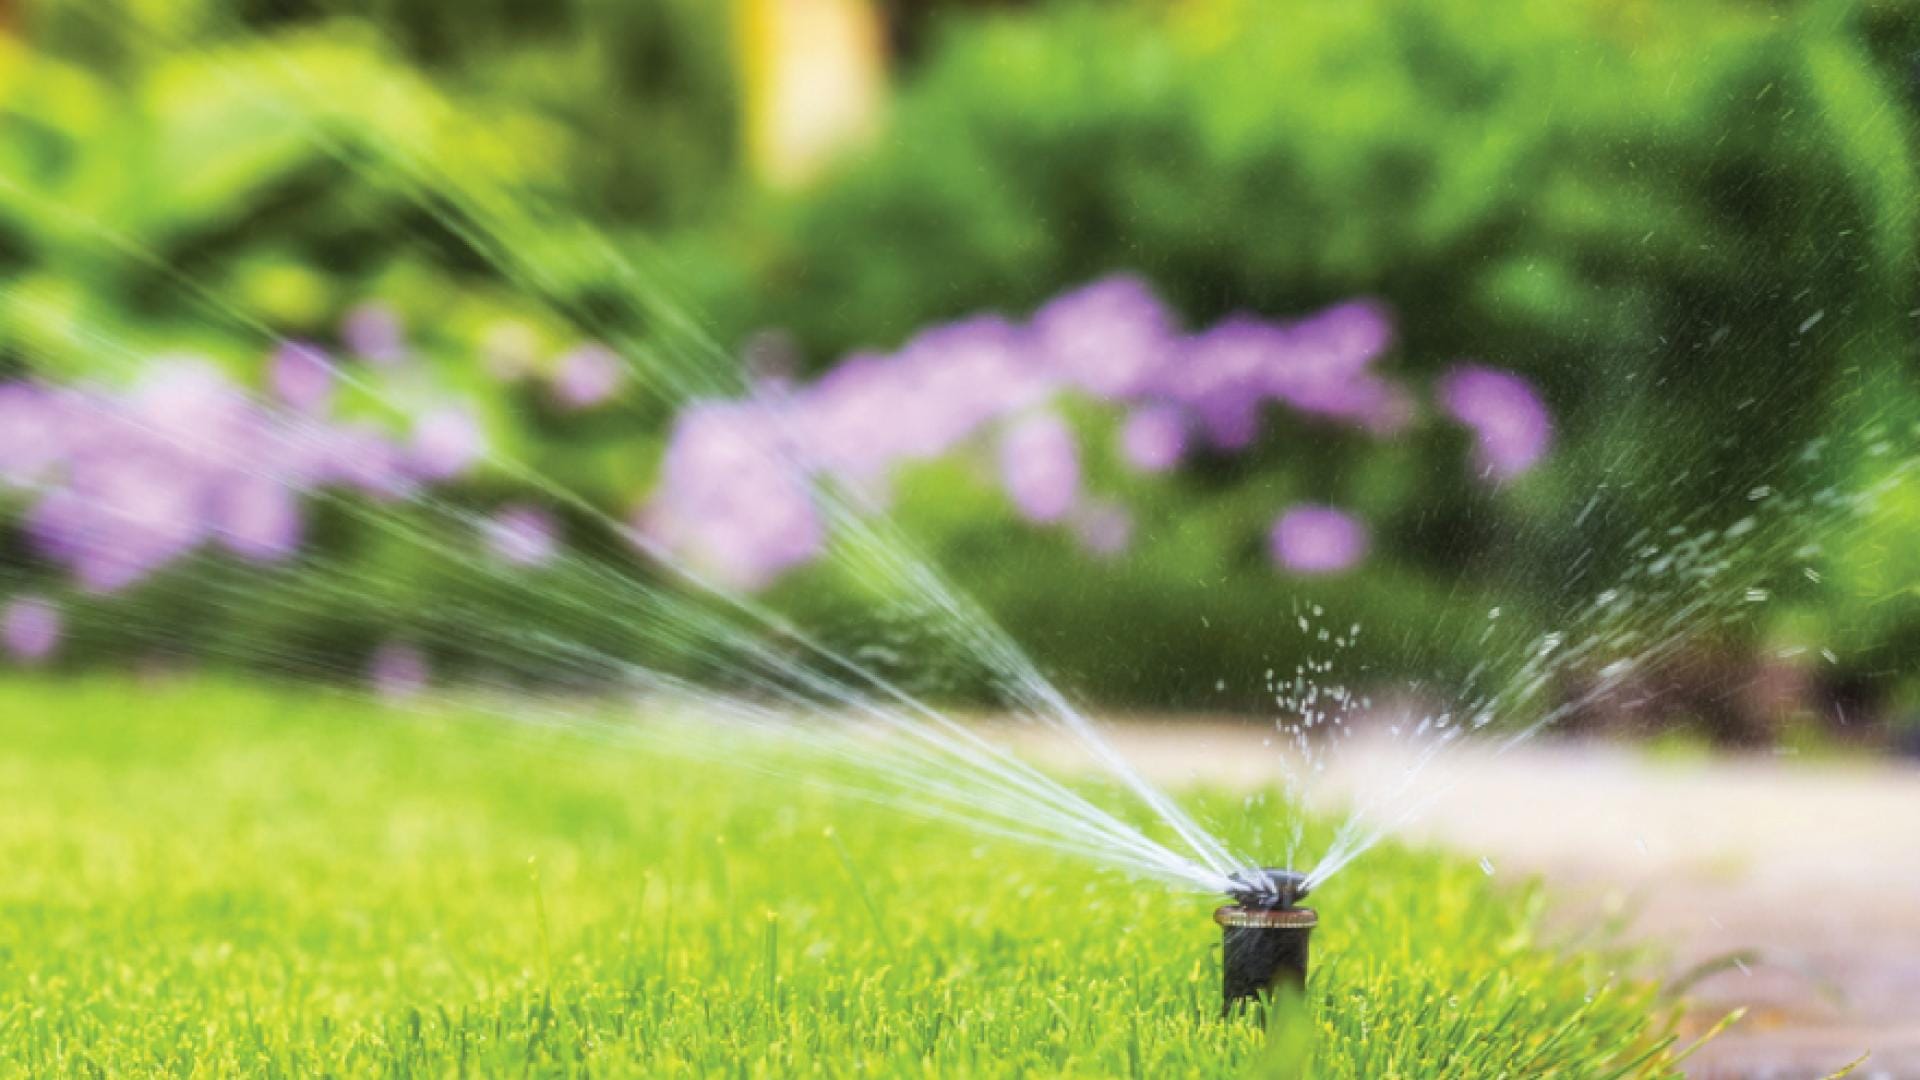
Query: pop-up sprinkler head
x,y
1263,936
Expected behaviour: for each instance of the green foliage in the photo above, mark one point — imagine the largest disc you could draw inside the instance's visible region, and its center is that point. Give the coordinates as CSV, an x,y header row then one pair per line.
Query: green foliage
x,y
1691,224
1864,616
1555,185
215,879
198,175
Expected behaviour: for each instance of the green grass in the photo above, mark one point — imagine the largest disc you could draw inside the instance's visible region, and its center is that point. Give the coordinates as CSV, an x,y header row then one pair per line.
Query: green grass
x,y
212,879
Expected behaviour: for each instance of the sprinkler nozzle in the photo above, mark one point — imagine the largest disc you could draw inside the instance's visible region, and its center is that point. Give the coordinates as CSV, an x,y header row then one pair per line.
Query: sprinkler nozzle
x,y
1263,936
1268,890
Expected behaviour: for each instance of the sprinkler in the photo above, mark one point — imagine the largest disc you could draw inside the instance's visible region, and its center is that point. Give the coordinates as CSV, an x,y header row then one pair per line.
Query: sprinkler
x,y
1263,936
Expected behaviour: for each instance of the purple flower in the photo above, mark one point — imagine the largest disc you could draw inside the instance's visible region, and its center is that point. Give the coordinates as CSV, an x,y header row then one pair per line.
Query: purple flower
x,y
1223,377
32,439
1511,426
731,499
398,671
1040,467
523,535
122,515
872,413
1154,438
301,376
361,457
1340,341
446,443
185,457
957,378
187,407
587,376
1372,402
31,629
841,422
257,517
1103,529
1318,366
1321,367
1110,338
1310,539
372,331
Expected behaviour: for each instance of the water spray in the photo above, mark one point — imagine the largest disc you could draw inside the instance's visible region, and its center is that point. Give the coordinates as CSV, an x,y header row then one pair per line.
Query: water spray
x,y
1263,936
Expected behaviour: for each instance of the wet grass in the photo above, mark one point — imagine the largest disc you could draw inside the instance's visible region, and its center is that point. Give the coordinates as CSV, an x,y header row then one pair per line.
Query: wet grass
x,y
212,879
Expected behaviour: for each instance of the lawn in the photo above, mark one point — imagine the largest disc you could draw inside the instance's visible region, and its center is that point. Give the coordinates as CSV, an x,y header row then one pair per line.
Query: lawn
x,y
213,879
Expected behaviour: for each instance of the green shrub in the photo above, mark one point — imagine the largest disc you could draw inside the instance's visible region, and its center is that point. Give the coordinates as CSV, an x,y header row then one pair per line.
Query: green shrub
x,y
1692,225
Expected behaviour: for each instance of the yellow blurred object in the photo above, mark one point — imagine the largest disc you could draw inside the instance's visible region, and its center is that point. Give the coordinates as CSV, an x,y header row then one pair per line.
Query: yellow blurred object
x,y
283,291
814,74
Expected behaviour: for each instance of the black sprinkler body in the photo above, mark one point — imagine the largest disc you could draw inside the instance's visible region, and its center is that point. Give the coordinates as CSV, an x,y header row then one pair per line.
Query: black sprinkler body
x,y
1263,936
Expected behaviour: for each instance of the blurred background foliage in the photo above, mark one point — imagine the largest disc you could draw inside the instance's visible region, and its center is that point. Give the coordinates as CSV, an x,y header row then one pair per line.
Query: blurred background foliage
x,y
1691,225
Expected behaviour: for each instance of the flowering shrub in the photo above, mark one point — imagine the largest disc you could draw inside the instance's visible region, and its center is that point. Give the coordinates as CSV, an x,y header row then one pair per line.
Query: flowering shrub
x,y
1511,427
1077,415
1635,240
734,495
1317,540
110,485
119,485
